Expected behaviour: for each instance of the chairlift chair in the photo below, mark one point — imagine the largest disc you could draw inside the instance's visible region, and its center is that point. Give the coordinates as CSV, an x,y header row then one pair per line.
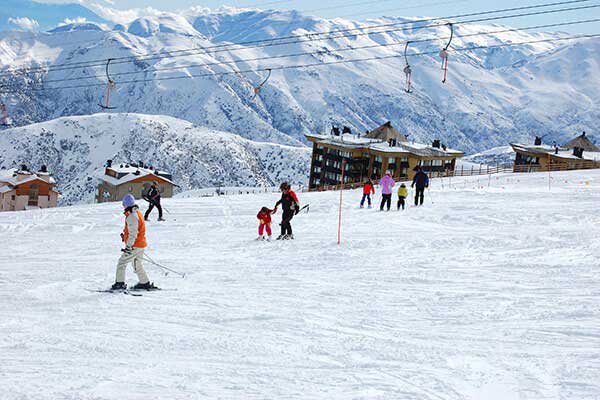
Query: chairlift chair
x,y
407,70
444,52
5,120
258,88
109,87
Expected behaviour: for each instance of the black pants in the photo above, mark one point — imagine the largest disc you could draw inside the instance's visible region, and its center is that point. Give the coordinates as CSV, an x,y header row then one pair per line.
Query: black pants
x,y
152,205
286,219
386,199
400,202
419,196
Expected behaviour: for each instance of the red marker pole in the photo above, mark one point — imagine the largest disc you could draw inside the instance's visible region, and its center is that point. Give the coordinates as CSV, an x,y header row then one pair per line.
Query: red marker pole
x,y
340,210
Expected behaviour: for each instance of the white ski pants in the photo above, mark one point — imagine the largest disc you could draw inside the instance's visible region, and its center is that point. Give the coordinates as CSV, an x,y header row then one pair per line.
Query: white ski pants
x,y
135,258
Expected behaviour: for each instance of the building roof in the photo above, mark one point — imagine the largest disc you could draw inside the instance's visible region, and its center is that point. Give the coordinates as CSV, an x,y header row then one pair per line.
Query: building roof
x,y
8,176
386,132
130,173
6,189
546,150
378,145
583,142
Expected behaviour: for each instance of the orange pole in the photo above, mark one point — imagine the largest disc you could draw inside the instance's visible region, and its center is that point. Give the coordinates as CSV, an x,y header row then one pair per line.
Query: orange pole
x,y
340,210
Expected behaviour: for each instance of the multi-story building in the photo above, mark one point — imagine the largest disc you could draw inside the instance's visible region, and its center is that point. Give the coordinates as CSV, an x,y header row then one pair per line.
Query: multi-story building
x,y
21,189
135,178
369,156
578,153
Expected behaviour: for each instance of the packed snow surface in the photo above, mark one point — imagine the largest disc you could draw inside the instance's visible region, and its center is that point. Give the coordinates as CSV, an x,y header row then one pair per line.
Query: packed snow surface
x,y
491,290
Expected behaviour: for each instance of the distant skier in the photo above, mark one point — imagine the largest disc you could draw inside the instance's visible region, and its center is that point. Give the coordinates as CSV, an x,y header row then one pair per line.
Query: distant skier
x,y
264,217
368,190
386,183
421,181
290,207
152,196
134,237
402,195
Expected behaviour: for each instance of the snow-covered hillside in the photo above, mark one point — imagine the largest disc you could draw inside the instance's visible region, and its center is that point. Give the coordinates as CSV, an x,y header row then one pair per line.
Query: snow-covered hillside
x,y
492,96
75,150
484,293
501,155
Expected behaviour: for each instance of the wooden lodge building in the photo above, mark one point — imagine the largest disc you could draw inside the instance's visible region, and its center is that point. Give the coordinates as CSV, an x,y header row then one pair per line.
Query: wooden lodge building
x,y
21,189
578,153
134,178
369,156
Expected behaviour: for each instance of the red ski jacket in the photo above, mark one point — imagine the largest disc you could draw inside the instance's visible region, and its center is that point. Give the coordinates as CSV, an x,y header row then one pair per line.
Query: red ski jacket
x,y
368,189
265,215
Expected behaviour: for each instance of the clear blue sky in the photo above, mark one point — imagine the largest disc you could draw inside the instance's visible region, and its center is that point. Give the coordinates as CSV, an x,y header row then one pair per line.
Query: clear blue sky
x,y
363,9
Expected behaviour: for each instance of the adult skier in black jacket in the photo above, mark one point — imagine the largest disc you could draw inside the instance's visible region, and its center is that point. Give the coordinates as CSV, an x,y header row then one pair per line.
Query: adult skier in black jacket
x,y
421,181
153,198
290,207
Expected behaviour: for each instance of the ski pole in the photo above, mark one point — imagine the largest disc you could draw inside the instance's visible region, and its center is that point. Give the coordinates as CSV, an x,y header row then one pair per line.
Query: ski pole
x,y
429,194
151,261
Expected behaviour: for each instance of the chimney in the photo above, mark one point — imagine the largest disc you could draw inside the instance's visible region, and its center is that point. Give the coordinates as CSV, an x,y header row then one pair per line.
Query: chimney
x,y
578,152
137,172
436,143
44,169
24,168
538,141
555,149
444,147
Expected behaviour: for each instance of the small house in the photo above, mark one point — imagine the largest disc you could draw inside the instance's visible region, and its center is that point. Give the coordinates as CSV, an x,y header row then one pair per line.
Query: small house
x,y
368,156
22,189
131,178
578,153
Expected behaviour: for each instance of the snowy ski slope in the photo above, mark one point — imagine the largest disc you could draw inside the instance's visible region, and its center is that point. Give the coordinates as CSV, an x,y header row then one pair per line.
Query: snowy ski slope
x,y
486,293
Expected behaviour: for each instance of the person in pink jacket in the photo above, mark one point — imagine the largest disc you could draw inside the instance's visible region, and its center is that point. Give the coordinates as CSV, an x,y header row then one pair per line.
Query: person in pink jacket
x,y
386,183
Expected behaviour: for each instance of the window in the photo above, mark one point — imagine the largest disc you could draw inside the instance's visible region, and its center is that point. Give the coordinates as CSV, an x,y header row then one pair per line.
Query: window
x,y
391,160
130,189
437,163
33,195
378,159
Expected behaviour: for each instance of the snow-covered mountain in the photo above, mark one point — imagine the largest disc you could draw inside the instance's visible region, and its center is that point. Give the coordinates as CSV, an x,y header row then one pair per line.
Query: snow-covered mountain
x,y
75,150
492,96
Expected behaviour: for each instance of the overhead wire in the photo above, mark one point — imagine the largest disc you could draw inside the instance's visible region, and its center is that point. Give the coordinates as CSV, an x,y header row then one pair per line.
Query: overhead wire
x,y
314,36
333,51
319,64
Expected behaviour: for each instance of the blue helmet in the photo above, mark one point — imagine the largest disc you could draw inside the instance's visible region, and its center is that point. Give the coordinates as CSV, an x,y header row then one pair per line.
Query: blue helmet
x,y
128,200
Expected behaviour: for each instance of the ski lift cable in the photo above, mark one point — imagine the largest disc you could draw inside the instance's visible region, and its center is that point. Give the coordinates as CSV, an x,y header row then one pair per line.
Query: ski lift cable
x,y
495,18
284,56
271,42
337,62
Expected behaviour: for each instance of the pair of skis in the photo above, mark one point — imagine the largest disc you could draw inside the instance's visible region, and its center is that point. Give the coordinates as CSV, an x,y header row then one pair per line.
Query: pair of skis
x,y
129,292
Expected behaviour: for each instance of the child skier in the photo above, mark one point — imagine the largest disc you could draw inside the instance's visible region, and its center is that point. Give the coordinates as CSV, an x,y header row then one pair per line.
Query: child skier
x,y
402,195
134,237
386,183
290,207
368,190
264,216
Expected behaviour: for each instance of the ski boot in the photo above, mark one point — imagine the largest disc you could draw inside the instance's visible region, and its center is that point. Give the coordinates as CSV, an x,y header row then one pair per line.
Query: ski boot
x,y
259,238
290,237
269,238
161,219
119,286
145,286
281,237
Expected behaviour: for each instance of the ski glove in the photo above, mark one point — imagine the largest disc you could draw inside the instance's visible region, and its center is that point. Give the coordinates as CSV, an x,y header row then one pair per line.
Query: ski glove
x,y
127,250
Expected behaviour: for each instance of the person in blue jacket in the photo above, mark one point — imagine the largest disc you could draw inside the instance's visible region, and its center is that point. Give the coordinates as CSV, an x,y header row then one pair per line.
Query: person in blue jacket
x,y
421,181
